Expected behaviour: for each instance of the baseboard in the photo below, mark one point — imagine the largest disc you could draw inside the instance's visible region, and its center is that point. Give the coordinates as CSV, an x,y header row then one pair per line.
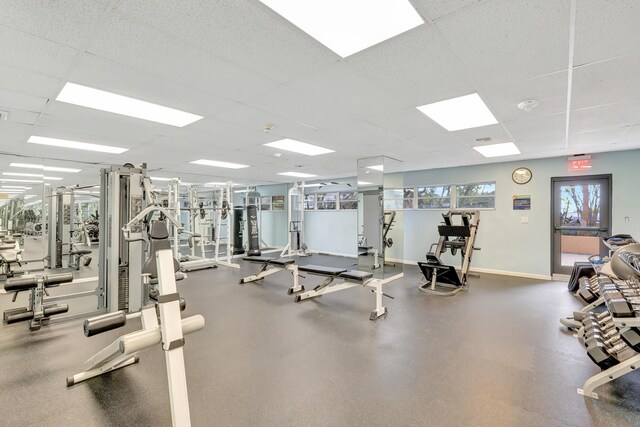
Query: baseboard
x,y
472,270
313,251
486,270
511,273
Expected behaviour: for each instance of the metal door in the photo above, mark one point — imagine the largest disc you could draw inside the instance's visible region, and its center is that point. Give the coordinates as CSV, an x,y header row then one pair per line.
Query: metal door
x,y
581,215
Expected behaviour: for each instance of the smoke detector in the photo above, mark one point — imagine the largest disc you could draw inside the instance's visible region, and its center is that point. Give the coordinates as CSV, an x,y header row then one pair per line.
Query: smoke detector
x,y
528,104
4,115
267,127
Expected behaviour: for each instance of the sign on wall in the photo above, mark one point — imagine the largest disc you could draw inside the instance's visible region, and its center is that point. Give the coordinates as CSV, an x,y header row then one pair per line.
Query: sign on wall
x,y
521,202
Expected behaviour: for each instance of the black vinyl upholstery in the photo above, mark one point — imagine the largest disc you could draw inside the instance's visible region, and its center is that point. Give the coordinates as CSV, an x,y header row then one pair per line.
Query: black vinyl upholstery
x,y
158,240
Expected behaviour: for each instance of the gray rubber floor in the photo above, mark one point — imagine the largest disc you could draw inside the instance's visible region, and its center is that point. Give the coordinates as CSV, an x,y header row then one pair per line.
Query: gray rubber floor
x,y
493,356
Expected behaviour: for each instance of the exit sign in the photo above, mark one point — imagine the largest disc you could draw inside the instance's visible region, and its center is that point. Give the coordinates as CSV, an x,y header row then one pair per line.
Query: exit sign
x,y
579,163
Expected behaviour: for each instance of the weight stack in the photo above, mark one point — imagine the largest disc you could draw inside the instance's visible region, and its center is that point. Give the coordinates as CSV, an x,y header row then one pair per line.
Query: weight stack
x,y
252,229
238,215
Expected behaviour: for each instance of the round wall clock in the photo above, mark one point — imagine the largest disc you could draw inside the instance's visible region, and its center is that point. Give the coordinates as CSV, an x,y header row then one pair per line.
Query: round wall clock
x,y
521,175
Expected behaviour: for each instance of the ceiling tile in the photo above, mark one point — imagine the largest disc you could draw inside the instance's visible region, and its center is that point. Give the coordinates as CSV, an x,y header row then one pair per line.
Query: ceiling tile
x,y
417,67
606,29
146,48
435,9
408,123
107,75
469,136
550,90
538,130
68,22
23,81
73,118
32,53
10,100
247,33
502,41
608,82
604,117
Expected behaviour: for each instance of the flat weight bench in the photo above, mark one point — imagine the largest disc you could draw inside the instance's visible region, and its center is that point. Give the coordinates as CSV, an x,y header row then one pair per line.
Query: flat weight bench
x,y
274,265
348,279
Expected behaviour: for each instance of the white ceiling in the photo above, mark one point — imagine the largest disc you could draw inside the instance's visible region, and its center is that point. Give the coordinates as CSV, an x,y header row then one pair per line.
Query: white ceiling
x,y
241,66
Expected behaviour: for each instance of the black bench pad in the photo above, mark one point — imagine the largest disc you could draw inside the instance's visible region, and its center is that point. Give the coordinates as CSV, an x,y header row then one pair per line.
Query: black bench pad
x,y
321,270
81,252
356,275
257,258
282,261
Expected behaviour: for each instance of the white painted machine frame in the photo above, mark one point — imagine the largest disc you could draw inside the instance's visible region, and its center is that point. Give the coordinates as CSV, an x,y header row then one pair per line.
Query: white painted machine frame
x,y
269,269
295,208
169,332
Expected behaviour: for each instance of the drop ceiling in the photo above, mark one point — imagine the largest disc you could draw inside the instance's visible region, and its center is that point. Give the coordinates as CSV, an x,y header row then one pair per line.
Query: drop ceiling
x,y
241,66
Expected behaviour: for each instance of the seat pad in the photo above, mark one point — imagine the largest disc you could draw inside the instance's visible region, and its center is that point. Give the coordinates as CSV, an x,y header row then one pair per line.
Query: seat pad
x,y
321,270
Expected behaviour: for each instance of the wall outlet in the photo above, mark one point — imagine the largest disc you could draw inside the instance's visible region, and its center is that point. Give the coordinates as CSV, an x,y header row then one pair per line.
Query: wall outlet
x,y
524,220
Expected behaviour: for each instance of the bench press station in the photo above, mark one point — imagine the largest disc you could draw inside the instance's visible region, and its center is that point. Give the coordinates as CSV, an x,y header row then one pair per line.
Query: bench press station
x,y
349,279
271,266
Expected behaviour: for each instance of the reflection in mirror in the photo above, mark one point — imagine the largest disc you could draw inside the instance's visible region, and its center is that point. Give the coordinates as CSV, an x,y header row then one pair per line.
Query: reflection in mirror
x,y
380,216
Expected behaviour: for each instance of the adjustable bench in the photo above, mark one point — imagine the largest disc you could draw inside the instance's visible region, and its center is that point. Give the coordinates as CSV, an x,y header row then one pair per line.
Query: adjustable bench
x,y
37,312
348,279
274,265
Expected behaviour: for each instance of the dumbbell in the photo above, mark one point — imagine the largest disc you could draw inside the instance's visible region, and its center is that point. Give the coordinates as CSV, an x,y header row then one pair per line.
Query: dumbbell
x,y
604,332
607,356
597,319
632,338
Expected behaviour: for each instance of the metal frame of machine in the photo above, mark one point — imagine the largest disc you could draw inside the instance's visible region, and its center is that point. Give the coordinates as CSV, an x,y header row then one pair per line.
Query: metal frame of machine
x,y
441,279
295,216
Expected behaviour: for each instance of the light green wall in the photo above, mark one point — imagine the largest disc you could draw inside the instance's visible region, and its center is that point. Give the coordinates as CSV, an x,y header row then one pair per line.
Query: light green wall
x,y
507,245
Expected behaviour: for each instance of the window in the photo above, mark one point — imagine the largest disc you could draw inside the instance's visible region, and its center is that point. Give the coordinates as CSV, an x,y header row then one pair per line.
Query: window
x,y
277,203
348,200
434,197
327,201
265,203
393,199
310,202
476,196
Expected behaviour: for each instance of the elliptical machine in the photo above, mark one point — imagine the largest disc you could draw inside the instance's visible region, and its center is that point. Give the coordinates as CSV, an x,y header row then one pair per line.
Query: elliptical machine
x,y
443,280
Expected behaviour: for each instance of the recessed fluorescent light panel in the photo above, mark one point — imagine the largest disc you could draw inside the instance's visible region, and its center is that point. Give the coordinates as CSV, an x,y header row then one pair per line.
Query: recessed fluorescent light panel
x,y
21,180
157,178
76,145
465,112
219,164
498,150
313,185
363,183
106,101
377,167
46,168
347,27
21,187
299,147
297,174
37,175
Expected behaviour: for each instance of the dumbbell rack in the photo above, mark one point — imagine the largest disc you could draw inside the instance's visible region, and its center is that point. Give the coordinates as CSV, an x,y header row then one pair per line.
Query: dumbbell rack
x,y
622,324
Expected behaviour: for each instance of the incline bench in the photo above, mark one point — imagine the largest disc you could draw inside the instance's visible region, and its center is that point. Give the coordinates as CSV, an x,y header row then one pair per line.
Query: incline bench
x,y
348,279
274,265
